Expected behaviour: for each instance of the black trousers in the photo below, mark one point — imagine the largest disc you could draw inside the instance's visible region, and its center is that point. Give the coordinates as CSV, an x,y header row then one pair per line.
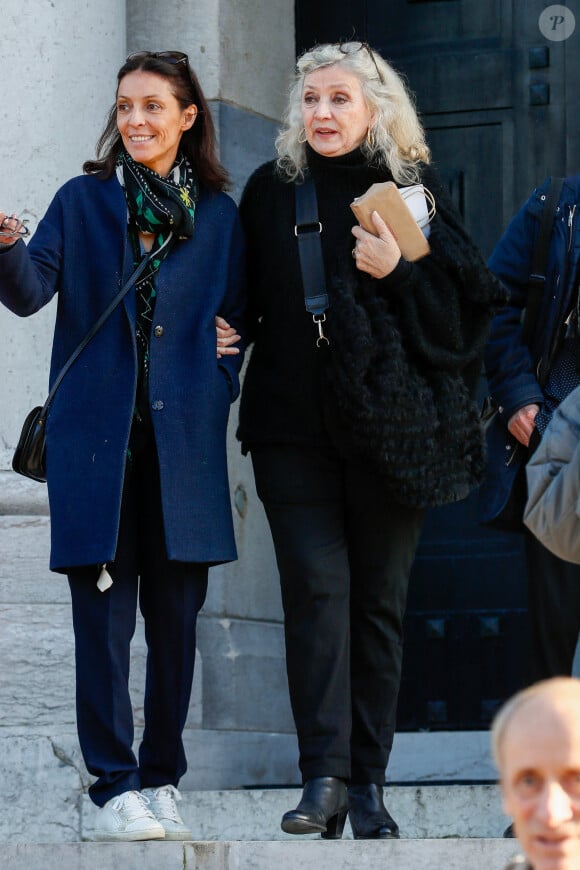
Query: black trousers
x,y
554,611
170,595
344,551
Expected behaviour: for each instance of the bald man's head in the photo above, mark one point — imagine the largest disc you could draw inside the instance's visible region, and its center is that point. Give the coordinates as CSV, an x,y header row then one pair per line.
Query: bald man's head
x,y
536,744
555,691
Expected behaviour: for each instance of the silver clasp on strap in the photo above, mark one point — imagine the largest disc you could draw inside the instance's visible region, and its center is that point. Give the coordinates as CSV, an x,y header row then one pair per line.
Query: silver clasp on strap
x,y
319,320
316,224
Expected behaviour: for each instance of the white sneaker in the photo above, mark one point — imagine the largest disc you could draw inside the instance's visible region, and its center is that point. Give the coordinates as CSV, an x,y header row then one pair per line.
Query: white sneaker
x,y
128,817
162,801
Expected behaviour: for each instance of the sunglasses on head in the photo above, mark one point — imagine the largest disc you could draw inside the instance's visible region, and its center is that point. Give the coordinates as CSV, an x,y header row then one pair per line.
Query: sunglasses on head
x,y
353,47
168,56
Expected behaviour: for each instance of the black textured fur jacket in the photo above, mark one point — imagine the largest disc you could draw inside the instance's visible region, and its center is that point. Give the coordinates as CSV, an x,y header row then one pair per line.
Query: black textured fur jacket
x,y
396,385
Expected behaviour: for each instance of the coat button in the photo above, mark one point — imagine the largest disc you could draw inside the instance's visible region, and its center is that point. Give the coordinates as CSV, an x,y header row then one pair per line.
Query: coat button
x,y
158,331
157,405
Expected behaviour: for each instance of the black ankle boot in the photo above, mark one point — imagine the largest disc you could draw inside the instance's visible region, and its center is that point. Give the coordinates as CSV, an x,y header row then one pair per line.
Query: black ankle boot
x,y
322,809
368,815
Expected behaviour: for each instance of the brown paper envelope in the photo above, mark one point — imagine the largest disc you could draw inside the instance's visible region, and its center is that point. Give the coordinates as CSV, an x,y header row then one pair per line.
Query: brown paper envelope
x,y
385,198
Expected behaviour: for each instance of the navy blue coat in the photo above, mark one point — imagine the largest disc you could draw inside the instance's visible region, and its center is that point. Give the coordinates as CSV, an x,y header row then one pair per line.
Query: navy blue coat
x,y
81,251
511,366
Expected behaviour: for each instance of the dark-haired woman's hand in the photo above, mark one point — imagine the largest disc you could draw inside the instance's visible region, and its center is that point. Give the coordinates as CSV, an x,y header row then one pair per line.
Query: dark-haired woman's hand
x,y
378,255
11,229
226,338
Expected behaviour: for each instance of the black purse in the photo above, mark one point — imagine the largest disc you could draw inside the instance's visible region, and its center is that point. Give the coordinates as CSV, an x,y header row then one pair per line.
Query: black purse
x,y
30,455
503,493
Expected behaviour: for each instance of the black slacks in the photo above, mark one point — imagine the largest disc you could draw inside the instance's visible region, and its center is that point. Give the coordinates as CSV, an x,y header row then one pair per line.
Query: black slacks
x,y
170,595
554,611
344,551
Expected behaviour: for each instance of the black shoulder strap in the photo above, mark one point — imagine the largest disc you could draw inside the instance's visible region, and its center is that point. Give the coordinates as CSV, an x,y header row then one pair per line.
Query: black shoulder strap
x,y
537,279
308,230
92,332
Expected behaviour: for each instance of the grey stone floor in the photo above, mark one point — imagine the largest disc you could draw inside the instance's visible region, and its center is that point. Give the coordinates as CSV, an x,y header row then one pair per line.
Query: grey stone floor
x,y
320,855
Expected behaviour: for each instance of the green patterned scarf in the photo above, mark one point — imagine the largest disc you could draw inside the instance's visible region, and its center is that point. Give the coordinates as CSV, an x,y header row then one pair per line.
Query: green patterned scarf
x,y
164,206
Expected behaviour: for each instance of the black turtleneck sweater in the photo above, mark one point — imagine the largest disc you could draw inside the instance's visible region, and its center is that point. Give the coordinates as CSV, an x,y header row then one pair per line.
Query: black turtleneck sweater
x,y
283,400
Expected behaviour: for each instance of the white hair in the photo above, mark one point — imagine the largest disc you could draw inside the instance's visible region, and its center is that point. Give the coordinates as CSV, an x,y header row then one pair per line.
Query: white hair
x,y
397,139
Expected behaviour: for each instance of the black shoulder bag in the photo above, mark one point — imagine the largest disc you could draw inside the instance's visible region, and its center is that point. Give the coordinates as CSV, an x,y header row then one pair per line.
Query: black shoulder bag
x,y
30,454
504,506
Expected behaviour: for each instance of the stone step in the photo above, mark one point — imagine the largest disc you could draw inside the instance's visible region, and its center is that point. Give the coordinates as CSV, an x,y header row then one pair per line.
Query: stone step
x,y
43,779
422,812
450,854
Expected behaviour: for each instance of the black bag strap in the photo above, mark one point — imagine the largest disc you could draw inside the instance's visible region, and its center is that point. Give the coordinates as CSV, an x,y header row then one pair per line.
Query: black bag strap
x,y
308,230
91,334
537,279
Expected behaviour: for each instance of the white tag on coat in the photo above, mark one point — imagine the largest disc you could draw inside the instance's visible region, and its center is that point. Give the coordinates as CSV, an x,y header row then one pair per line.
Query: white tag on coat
x,y
105,580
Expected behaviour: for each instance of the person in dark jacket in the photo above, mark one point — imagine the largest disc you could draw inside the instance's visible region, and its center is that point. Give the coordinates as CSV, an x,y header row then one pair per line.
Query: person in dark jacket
x,y
358,423
527,383
136,436
536,746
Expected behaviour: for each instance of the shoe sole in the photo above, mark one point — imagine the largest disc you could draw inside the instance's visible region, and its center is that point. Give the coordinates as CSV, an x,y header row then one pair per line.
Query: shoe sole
x,y
301,826
128,836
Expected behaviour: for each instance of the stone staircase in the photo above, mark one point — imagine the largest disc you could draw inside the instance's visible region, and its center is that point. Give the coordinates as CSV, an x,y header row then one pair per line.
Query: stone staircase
x,y
453,854
444,827
422,812
239,733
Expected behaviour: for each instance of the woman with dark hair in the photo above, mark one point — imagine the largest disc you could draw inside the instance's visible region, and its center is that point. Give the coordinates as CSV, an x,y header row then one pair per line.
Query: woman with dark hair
x,y
136,436
358,421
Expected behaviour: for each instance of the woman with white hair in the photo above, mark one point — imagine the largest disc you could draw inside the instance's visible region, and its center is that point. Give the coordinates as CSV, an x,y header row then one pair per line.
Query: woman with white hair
x,y
358,413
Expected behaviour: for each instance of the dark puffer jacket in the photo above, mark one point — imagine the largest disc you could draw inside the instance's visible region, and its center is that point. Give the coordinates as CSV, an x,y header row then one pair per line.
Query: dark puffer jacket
x,y
512,367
